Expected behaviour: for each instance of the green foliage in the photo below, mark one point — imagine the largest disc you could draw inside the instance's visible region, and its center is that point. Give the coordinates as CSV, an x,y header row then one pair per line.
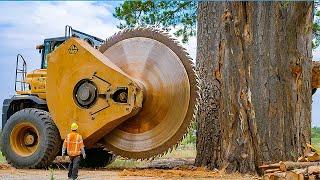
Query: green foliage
x,y
316,30
315,132
190,138
316,25
51,174
2,158
179,16
315,137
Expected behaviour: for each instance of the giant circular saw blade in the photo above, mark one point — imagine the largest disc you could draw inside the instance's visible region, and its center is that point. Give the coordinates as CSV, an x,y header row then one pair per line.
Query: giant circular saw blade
x,y
166,73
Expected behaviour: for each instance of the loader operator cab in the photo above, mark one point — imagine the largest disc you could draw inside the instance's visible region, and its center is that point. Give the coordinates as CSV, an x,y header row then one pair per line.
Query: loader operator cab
x,y
51,44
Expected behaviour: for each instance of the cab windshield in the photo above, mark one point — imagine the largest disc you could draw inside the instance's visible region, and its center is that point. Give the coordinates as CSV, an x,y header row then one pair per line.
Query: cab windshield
x,y
49,46
52,43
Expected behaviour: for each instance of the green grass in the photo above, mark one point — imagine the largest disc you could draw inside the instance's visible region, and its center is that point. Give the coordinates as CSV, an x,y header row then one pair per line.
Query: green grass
x,y
51,174
315,143
186,149
2,158
182,151
121,163
315,137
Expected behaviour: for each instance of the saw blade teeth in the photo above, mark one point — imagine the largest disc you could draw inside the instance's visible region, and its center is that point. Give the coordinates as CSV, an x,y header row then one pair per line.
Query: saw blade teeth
x,y
189,66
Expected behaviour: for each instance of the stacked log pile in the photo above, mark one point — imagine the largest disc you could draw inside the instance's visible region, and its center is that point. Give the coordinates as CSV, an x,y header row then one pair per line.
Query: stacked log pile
x,y
307,167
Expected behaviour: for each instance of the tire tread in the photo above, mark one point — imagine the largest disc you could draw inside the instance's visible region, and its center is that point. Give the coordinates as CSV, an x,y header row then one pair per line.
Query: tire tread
x,y
52,139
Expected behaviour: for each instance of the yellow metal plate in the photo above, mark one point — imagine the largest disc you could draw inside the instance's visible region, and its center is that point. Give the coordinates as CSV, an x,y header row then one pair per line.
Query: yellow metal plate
x,y
72,62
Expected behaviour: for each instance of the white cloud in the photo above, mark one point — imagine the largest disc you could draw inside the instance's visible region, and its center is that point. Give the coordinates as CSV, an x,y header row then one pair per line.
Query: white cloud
x,y
191,47
23,25
316,54
28,23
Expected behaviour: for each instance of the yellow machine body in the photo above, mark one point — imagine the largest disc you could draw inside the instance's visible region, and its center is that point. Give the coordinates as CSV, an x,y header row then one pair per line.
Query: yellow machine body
x,y
75,61
72,62
134,96
37,83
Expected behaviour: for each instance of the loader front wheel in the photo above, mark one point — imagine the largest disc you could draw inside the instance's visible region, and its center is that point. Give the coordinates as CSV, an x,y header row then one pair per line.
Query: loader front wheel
x,y
30,139
97,158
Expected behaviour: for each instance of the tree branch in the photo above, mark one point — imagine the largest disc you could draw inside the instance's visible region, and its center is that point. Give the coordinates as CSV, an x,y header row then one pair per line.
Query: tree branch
x,y
181,6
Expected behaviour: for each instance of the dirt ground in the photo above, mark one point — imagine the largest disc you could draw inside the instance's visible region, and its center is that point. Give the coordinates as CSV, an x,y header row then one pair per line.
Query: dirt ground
x,y
14,174
9,173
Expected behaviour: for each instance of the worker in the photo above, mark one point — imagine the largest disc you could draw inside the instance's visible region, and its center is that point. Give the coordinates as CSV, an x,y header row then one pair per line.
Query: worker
x,y
74,146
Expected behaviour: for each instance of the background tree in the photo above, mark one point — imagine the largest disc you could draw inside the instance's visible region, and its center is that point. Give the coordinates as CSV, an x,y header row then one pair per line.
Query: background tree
x,y
179,16
254,63
316,25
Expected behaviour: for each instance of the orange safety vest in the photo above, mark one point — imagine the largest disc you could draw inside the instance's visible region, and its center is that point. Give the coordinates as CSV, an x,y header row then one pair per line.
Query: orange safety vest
x,y
73,143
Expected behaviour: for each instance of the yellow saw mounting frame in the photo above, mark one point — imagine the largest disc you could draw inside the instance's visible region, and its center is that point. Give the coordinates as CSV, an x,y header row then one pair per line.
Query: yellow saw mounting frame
x,y
85,87
135,95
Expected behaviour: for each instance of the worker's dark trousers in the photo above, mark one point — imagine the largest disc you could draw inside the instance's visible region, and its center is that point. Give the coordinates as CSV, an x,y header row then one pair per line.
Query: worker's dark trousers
x,y
73,167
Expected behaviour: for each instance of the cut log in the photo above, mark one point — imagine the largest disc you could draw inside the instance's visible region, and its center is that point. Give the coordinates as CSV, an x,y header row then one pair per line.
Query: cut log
x,y
272,170
289,165
309,146
314,170
269,166
313,156
297,174
280,175
312,177
302,159
269,176
274,176
301,177
300,171
292,175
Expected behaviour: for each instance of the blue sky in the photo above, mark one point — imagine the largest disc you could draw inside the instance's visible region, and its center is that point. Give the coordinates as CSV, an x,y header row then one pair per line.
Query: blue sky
x,y
23,25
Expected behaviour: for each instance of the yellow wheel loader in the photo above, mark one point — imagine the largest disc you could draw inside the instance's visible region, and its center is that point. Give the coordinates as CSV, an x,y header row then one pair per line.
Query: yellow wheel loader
x,y
133,95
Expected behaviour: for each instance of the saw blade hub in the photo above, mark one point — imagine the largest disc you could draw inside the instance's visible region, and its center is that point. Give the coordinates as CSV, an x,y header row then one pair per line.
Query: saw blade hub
x,y
85,93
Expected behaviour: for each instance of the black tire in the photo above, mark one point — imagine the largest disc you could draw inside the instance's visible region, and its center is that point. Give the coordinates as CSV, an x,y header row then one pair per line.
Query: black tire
x,y
97,158
48,142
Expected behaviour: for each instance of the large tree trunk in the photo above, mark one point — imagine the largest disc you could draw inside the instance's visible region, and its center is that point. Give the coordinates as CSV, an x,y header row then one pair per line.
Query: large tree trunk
x,y
254,63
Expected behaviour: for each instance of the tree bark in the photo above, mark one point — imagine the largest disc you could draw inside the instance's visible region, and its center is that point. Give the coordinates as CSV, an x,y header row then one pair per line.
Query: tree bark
x,y
254,63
